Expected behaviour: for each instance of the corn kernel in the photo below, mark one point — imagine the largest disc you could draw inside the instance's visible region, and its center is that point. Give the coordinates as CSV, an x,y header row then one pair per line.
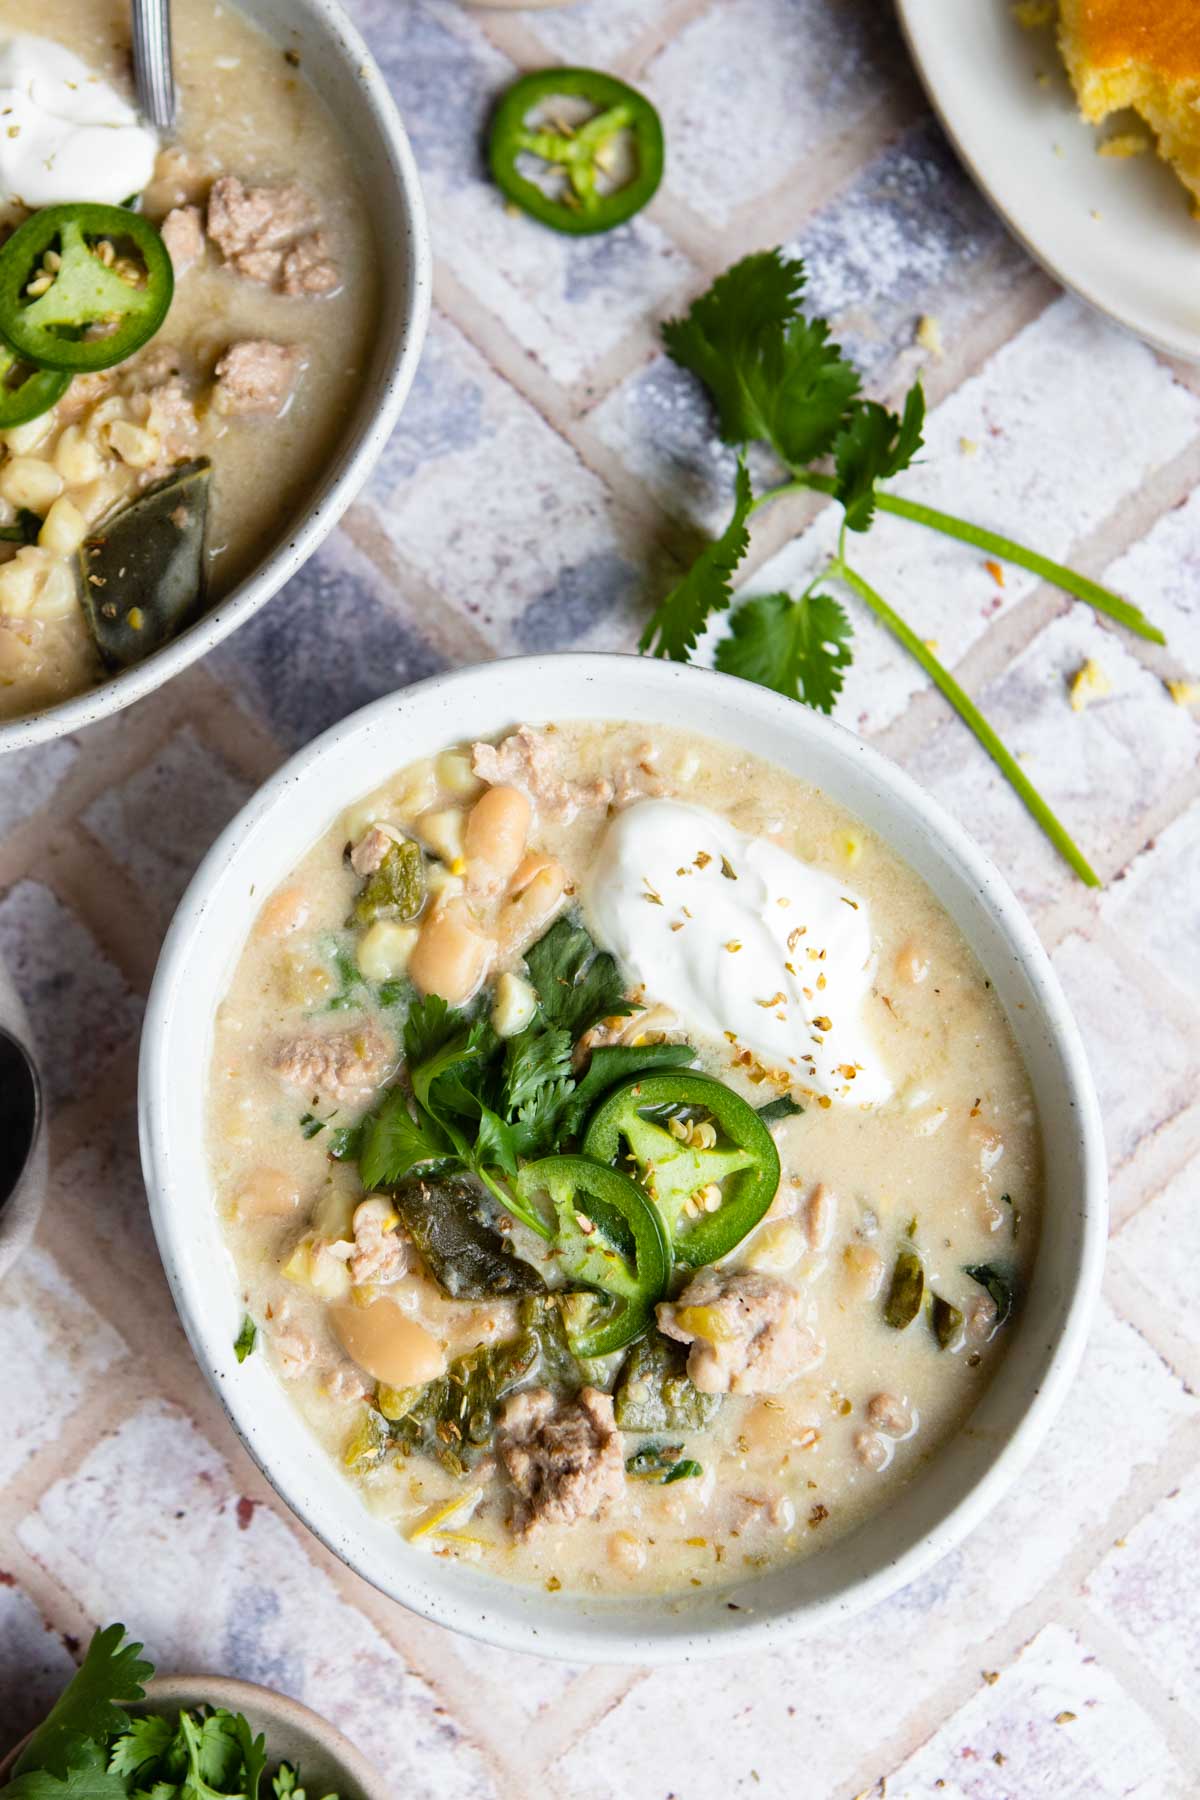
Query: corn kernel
x,y
27,481
76,458
63,529
133,443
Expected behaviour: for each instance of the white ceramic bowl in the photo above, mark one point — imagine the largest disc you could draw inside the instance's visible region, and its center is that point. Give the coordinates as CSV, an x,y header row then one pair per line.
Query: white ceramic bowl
x,y
261,848
294,1734
20,1214
341,68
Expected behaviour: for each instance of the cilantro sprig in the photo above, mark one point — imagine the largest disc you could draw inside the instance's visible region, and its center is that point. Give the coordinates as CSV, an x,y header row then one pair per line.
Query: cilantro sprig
x,y
778,378
91,1748
483,1104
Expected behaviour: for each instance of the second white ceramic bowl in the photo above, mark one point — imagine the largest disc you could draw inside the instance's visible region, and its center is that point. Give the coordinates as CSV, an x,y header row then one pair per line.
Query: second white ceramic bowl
x,y
261,848
341,68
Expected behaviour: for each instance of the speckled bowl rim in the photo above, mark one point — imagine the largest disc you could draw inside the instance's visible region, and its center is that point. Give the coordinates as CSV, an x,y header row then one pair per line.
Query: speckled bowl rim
x,y
397,202
18,1219
266,1710
933,1514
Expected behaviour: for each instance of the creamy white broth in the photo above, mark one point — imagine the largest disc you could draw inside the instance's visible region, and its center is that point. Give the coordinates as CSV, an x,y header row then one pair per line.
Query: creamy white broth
x,y
952,1158
245,110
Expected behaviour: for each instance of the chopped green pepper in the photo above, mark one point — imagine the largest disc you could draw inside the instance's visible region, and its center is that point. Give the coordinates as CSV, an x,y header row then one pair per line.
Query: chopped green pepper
x,y
592,192
655,1393
946,1320
609,1238
465,1256
906,1292
27,392
397,888
142,572
71,295
743,1164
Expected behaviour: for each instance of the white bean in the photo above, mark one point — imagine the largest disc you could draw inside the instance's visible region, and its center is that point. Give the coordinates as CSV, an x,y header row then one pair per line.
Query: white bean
x,y
497,827
387,1344
451,957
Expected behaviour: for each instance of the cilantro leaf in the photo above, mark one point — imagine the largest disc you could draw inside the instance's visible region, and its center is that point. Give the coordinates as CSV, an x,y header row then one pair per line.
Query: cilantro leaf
x,y
534,1059
873,445
429,1027
707,588
615,1062
750,304
78,1783
800,648
147,1740
783,1108
88,1710
247,1337
577,984
394,1142
772,373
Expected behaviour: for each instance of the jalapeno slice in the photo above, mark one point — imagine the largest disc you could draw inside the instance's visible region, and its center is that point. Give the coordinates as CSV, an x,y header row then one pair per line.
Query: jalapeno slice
x,y
592,192
742,1164
27,392
611,1239
58,284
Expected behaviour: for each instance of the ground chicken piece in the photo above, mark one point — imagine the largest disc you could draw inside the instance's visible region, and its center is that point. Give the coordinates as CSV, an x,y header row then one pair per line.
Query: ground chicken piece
x,y
295,1349
379,1253
256,377
183,234
84,392
346,1386
564,1457
370,850
747,1333
242,220
308,267
529,760
347,1066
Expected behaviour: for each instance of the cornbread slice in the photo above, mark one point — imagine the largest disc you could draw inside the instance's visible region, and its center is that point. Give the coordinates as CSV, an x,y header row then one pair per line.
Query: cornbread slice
x,y
1144,54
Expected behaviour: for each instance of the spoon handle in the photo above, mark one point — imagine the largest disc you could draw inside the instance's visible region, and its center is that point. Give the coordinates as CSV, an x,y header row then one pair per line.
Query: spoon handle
x,y
153,70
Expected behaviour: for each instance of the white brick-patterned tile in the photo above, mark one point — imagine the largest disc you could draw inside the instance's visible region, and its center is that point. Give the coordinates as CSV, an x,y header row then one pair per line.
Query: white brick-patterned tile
x,y
155,1497
1101,770
1058,1722
1162,574
755,87
79,1004
1144,1589
159,820
593,33
566,300
1160,1244
29,778
55,1349
1156,907
1144,1059
504,519
34,1663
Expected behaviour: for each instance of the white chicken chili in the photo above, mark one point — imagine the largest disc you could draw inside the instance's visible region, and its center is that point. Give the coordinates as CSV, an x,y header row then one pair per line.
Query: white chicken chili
x,y
629,1171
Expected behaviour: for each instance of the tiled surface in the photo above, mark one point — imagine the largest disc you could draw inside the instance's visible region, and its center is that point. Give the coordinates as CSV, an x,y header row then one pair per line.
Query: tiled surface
x,y
547,470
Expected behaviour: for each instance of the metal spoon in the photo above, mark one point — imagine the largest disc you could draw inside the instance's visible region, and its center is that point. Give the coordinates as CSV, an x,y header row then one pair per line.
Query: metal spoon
x,y
20,1113
153,69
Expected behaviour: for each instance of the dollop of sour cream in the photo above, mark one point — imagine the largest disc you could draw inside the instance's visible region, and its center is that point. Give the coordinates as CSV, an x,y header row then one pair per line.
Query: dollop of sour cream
x,y
65,133
741,938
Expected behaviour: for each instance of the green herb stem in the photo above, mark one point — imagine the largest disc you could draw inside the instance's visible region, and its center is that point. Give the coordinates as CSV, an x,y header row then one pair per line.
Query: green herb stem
x,y
971,716
1101,598
515,1206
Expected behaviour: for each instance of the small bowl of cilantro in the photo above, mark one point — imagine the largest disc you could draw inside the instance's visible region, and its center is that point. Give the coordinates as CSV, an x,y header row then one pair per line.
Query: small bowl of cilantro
x,y
116,1734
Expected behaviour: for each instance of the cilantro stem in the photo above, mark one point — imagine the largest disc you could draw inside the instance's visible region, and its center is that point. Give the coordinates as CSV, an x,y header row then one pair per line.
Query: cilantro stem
x,y
971,716
516,1207
1101,598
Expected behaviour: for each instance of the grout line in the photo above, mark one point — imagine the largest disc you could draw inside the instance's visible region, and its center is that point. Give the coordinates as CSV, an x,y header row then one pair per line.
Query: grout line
x,y
1134,1302
437,620
1178,1723
1158,1159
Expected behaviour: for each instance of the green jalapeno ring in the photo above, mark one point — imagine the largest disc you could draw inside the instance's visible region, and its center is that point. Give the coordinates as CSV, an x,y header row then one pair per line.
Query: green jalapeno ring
x,y
579,209
48,330
35,393
747,1167
627,1254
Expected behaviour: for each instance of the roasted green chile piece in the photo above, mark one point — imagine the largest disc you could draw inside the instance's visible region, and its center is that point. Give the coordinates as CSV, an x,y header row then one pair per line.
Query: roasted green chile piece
x,y
744,1162
142,575
56,329
946,1322
906,1291
590,195
454,1417
396,890
610,1238
654,1392
466,1257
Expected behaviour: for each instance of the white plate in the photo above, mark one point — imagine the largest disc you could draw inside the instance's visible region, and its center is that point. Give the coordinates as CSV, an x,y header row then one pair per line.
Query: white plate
x,y
262,846
1118,231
